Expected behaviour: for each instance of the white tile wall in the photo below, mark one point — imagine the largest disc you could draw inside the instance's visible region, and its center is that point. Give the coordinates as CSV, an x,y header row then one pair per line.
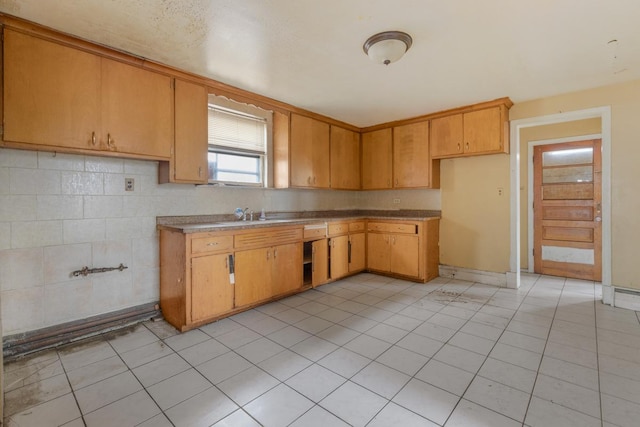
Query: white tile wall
x,y
61,212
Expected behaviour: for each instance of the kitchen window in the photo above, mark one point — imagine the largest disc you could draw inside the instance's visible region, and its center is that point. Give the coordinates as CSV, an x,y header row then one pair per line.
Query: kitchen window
x,y
238,143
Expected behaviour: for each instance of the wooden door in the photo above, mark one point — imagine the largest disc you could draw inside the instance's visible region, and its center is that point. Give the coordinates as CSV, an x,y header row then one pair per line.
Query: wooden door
x,y
286,268
137,110
345,159
405,256
411,163
377,159
309,152
319,262
446,136
378,252
356,252
211,291
191,130
253,276
51,93
339,256
482,131
568,209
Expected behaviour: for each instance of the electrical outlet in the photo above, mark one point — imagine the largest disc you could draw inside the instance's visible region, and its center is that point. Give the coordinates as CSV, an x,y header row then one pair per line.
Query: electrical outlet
x,y
396,201
128,184
500,191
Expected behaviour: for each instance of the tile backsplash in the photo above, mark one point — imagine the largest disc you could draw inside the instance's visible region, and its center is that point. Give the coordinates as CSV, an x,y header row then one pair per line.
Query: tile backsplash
x,y
61,212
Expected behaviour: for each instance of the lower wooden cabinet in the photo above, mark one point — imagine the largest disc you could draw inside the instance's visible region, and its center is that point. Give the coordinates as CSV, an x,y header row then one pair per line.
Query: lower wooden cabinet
x,y
407,249
267,272
208,275
356,252
212,292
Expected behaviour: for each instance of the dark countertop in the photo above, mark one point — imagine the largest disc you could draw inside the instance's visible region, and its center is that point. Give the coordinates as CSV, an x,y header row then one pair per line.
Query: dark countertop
x,y
206,223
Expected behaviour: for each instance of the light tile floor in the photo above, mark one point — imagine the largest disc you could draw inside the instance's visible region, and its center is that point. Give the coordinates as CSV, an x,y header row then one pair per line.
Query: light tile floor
x,y
365,351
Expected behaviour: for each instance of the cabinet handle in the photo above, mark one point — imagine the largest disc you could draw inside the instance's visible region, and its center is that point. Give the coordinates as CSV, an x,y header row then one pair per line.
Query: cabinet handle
x,y
275,253
226,263
394,240
314,179
110,142
309,180
313,260
200,171
458,146
267,255
212,244
396,182
467,146
93,138
349,251
389,183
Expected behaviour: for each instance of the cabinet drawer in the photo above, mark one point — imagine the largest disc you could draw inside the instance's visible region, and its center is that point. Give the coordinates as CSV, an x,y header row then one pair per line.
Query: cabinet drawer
x,y
268,238
356,226
201,245
311,233
338,228
388,227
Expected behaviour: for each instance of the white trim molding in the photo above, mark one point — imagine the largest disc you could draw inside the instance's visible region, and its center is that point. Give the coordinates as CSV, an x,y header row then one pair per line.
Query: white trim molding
x,y
477,276
604,113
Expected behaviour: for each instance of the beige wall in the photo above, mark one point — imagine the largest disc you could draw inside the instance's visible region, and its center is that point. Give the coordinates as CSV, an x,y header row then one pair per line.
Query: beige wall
x,y
624,100
539,133
474,231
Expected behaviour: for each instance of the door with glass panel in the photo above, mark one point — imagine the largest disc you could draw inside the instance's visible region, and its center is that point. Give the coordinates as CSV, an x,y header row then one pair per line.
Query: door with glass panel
x,y
567,209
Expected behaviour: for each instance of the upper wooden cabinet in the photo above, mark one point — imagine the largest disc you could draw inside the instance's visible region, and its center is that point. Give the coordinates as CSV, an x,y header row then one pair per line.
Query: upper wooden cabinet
x,y
345,159
480,131
57,97
309,152
188,162
51,93
377,152
412,165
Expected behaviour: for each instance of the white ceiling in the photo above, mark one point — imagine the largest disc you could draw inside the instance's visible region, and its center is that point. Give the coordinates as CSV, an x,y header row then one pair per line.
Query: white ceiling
x,y
309,52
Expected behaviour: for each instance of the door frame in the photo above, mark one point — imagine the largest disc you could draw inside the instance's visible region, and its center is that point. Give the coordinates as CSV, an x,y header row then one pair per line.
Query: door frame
x,y
604,114
530,216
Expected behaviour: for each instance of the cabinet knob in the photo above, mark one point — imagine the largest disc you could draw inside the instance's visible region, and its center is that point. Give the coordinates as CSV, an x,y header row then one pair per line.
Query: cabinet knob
x,y
200,171
110,141
93,138
458,146
467,146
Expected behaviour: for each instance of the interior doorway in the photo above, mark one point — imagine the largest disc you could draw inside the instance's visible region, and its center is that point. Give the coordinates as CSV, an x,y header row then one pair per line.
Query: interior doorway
x,y
567,209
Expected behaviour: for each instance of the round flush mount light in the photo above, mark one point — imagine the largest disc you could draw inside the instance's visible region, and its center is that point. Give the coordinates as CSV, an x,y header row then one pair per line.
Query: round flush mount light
x,y
387,47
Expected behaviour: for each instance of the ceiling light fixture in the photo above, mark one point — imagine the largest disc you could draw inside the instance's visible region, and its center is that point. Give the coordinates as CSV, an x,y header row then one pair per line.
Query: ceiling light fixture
x,y
387,47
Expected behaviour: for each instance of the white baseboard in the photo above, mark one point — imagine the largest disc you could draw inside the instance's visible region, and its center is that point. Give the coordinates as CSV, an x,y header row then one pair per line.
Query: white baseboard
x,y
626,298
478,276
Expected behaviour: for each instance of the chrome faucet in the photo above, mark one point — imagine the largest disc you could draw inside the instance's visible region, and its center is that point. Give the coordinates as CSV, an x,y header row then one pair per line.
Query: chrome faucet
x,y
244,214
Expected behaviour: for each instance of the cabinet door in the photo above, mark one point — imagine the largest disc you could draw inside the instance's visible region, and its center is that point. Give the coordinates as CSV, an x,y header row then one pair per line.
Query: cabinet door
x,y
377,152
482,131
51,93
137,110
356,252
319,262
345,159
411,162
405,258
211,291
253,276
447,136
286,268
378,252
190,144
339,255
309,152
